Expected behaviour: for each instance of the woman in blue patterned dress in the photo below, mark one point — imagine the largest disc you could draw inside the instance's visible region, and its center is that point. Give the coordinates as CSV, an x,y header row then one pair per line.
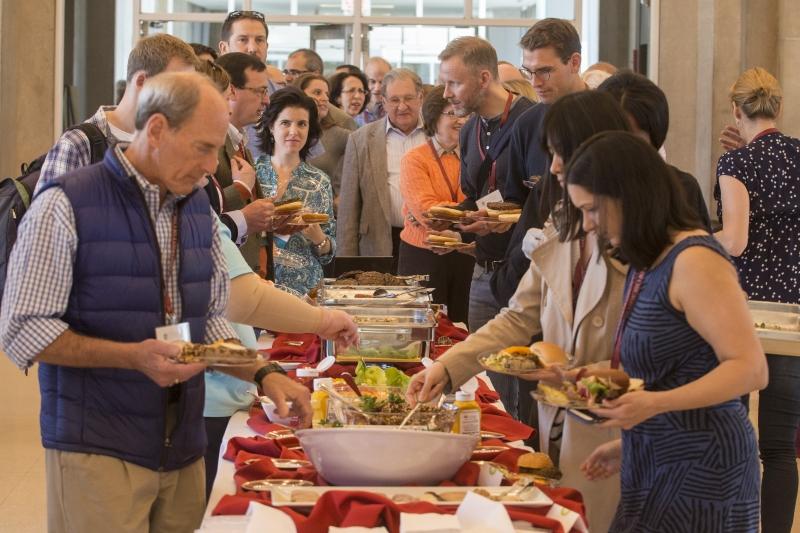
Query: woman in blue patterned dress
x,y
758,190
289,128
687,458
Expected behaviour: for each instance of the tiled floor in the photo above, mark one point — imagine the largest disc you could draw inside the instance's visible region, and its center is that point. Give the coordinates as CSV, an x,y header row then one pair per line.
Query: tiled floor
x,y
22,498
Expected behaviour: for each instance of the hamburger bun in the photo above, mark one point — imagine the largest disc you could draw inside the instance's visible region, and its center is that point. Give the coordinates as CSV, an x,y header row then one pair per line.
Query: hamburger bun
x,y
495,209
549,353
513,218
288,207
538,464
315,218
442,239
444,211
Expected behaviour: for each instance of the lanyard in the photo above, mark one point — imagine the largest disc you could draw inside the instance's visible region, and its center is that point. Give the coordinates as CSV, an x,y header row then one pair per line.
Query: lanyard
x,y
169,308
627,308
503,120
765,132
453,193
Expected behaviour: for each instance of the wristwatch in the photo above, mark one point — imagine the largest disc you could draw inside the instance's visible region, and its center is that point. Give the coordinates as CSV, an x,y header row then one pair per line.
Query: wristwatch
x,y
265,370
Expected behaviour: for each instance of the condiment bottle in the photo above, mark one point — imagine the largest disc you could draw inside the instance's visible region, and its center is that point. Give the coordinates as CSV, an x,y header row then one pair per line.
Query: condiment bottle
x,y
468,416
306,376
319,401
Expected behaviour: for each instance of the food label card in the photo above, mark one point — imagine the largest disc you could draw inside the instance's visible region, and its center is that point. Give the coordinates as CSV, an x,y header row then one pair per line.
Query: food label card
x,y
491,197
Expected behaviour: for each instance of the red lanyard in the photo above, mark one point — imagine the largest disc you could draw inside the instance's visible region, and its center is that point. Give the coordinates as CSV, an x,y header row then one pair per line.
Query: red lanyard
x,y
453,193
765,132
627,308
169,308
503,120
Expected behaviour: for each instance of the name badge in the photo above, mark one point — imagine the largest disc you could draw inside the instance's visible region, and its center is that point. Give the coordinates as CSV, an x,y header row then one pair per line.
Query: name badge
x,y
494,196
174,332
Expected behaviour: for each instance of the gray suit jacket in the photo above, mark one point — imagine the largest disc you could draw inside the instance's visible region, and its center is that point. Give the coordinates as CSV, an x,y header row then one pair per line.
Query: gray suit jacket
x,y
364,204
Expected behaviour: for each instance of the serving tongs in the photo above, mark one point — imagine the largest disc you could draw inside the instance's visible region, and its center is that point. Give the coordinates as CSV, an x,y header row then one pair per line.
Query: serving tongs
x,y
345,401
383,293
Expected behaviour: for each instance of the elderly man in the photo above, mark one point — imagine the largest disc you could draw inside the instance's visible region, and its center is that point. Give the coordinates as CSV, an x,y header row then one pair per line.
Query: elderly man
x,y
370,202
375,69
121,423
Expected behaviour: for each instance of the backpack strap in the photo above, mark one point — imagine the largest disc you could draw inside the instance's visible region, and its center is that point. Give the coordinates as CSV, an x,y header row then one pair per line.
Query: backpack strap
x,y
23,192
97,139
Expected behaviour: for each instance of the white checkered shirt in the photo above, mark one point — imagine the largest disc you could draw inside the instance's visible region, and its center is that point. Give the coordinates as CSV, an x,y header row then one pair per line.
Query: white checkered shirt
x,y
40,270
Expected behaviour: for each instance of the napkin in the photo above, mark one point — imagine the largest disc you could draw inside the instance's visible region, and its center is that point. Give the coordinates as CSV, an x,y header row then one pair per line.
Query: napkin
x,y
480,514
429,523
567,518
281,350
263,518
497,420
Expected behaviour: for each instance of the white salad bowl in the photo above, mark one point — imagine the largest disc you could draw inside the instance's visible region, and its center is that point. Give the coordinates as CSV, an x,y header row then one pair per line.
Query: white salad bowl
x,y
385,456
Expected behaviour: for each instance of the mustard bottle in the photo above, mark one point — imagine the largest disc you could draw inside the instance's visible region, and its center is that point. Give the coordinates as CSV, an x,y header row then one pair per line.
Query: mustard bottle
x,y
319,402
468,416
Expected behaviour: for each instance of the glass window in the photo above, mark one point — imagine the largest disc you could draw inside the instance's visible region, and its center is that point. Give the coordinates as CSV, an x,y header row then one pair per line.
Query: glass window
x,y
412,8
523,9
192,32
328,40
304,7
418,47
187,6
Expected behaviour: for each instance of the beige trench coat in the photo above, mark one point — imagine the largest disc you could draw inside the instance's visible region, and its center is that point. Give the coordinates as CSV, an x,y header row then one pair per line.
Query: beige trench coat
x,y
543,303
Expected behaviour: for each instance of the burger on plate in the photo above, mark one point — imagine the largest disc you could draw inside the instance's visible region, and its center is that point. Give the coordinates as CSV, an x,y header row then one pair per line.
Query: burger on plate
x,y
315,218
447,212
527,359
590,390
442,240
538,464
289,205
495,209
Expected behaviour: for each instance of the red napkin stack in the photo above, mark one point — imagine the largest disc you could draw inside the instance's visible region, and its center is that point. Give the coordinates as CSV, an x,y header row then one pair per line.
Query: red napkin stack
x,y
282,350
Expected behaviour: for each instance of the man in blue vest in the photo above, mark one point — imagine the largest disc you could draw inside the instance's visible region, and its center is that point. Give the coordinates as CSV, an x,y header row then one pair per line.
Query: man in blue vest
x,y
107,255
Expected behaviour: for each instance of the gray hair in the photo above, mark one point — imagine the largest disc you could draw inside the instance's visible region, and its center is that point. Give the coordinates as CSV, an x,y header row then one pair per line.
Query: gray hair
x,y
172,94
401,74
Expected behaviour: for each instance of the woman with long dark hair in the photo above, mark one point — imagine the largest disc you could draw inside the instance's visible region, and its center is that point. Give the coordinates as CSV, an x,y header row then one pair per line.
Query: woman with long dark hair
x,y
687,456
289,127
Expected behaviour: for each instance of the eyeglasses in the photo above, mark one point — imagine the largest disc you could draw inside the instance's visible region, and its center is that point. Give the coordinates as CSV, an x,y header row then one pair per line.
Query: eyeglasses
x,y
258,91
233,15
395,101
355,90
451,114
294,73
542,74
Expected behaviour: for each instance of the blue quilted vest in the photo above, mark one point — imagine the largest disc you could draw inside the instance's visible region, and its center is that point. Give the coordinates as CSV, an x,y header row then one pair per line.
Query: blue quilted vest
x,y
116,295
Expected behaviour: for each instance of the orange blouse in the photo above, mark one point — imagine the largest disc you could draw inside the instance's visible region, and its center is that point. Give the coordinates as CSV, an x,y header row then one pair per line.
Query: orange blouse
x,y
423,186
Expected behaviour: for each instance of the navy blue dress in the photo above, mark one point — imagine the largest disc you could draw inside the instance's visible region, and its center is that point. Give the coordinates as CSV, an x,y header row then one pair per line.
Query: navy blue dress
x,y
685,471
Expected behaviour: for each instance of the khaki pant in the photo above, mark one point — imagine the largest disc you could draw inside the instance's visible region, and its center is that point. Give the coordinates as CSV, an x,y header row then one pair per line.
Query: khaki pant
x,y
88,493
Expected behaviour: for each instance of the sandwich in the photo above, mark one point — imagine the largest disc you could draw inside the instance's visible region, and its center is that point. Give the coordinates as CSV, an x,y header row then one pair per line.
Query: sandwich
x,y
443,240
513,217
538,464
527,359
222,352
447,212
289,205
591,389
315,218
495,209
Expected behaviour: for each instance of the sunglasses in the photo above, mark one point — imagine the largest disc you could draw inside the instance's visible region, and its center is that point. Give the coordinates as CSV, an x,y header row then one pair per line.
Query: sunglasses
x,y
233,15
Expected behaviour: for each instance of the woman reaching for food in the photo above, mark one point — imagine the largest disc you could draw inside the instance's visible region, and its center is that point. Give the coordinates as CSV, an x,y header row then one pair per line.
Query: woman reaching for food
x,y
575,308
687,457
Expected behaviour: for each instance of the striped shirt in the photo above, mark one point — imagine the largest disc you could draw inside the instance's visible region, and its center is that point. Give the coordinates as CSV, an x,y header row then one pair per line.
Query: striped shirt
x,y
73,149
40,271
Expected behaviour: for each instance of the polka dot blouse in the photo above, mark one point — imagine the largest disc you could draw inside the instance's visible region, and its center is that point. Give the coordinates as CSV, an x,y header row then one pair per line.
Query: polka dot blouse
x,y
769,167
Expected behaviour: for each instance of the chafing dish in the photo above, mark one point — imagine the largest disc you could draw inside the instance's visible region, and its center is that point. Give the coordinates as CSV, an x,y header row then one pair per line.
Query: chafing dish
x,y
363,295
392,333
778,326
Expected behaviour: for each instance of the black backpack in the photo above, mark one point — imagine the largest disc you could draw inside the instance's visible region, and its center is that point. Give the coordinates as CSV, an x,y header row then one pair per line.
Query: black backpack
x,y
16,194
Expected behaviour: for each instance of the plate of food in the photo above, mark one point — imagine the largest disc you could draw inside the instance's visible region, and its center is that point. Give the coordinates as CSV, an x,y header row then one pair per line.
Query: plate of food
x,y
517,360
445,242
589,391
530,496
288,206
503,211
227,352
448,213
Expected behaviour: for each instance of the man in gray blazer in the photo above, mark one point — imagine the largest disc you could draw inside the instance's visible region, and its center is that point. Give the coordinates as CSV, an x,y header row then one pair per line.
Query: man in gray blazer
x,y
370,214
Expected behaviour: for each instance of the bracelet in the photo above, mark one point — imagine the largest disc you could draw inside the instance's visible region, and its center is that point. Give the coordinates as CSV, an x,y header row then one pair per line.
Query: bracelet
x,y
321,245
266,370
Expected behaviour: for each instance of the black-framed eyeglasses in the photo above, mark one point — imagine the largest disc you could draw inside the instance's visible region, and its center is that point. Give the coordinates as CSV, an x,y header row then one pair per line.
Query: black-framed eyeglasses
x,y
542,74
238,14
451,114
258,91
294,73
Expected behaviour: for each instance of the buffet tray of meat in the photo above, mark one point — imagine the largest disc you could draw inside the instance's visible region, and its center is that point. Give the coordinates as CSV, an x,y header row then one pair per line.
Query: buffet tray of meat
x,y
778,326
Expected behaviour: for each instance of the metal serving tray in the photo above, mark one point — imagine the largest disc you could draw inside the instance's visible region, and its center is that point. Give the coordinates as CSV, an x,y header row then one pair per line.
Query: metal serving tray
x,y
346,295
778,326
399,334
